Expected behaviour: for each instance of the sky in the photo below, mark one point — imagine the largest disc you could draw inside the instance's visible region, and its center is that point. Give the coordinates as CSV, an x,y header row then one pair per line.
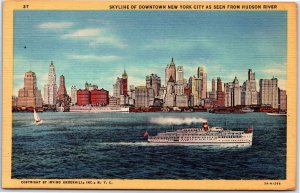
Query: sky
x,y
96,46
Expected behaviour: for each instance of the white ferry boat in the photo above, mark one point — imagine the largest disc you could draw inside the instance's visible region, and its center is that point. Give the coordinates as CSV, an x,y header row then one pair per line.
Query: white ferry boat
x,y
90,109
247,110
204,136
277,114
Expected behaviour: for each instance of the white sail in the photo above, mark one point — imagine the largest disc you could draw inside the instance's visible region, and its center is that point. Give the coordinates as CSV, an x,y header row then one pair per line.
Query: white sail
x,y
37,118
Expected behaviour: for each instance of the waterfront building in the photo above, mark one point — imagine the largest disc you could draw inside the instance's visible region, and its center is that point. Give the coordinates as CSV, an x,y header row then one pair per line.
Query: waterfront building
x,y
269,92
30,95
73,94
236,92
14,101
153,81
62,96
180,75
282,100
203,81
113,101
99,97
181,101
141,96
220,94
83,97
151,96
90,86
249,94
170,71
50,89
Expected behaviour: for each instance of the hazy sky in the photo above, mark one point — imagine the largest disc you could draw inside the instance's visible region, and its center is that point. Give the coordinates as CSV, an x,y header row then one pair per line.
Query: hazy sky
x,y
95,46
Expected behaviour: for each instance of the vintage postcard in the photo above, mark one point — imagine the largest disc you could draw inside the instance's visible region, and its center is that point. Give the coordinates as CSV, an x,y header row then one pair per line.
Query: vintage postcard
x,y
149,95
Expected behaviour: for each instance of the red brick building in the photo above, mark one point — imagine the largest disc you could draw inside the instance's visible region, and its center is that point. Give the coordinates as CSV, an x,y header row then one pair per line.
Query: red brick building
x,y
83,97
99,97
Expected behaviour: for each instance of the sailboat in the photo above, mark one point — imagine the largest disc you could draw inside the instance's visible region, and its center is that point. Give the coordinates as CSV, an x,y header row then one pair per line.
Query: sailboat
x,y
37,119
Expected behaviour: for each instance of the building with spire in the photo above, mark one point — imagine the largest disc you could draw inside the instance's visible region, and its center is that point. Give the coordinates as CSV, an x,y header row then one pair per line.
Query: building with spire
x,y
30,96
50,89
170,71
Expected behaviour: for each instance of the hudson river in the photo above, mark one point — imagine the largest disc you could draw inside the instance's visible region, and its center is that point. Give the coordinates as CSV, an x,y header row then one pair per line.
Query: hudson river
x,y
112,145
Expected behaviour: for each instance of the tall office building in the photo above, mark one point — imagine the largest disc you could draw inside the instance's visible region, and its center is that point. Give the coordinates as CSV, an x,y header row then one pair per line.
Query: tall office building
x,y
213,93
30,95
269,92
50,89
62,96
236,92
220,94
124,83
180,75
282,100
249,94
203,78
170,71
141,97
153,81
228,94
73,94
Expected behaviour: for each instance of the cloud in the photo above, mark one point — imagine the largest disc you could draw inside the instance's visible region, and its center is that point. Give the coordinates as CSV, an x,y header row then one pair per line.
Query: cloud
x,y
55,25
96,36
88,32
107,58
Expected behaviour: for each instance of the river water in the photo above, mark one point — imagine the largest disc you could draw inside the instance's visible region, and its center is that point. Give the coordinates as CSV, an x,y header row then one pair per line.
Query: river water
x,y
112,145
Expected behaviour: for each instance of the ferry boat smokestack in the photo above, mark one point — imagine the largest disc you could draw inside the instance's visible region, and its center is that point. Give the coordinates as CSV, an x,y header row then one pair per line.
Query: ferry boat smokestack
x,y
205,126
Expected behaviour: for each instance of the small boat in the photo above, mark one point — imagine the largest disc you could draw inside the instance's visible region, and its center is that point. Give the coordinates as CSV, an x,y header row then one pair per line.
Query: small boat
x,y
37,119
277,114
247,110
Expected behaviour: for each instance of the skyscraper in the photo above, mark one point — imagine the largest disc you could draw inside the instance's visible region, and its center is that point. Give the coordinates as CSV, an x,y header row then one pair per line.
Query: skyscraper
x,y
124,83
170,71
153,81
249,94
141,97
74,94
29,95
180,75
62,96
203,81
236,92
213,94
50,89
220,93
269,92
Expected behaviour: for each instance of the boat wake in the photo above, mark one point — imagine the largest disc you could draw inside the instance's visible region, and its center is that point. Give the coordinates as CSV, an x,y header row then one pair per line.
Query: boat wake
x,y
176,120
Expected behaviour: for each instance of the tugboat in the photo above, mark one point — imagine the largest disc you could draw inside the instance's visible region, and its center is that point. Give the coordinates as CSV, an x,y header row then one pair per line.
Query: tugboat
x,y
204,136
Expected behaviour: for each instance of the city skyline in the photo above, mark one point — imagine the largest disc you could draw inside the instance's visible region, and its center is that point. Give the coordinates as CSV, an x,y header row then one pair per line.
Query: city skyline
x,y
107,42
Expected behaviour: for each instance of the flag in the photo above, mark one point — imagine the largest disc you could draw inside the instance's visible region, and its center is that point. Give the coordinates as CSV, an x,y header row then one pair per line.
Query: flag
x,y
146,134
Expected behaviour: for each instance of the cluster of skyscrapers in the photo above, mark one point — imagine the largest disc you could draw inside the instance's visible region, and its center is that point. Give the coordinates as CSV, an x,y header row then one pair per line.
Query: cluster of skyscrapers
x,y
175,92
